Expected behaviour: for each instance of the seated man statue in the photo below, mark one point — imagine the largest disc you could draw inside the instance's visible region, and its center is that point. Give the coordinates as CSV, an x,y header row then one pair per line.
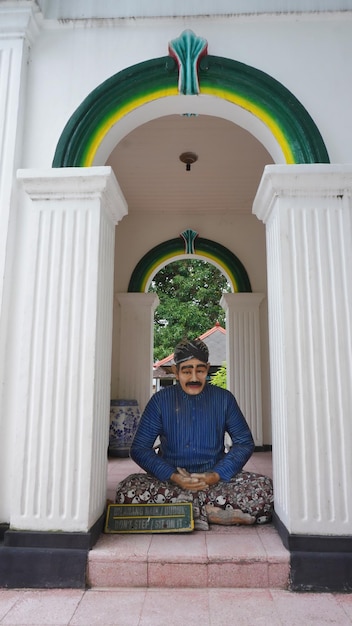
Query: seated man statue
x,y
190,420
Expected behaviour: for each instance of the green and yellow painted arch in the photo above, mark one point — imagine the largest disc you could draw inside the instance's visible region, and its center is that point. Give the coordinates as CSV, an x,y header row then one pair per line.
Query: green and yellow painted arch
x,y
189,243
247,87
188,69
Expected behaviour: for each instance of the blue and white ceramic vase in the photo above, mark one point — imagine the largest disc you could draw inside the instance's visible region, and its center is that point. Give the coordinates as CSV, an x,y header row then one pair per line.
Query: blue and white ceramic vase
x,y
124,419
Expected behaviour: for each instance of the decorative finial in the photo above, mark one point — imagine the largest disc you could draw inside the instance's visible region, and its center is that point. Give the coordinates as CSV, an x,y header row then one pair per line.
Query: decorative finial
x,y
189,236
188,49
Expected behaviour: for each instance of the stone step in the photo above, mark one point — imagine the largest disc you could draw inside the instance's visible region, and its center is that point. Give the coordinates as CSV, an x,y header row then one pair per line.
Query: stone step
x,y
236,557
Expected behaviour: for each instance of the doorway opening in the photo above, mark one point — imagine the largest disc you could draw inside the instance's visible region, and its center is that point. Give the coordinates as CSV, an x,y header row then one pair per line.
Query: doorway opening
x,y
229,91
189,294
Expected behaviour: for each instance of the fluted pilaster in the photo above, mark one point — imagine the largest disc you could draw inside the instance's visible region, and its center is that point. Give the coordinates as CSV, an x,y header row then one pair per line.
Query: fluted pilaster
x,y
243,350
66,347
136,315
308,215
18,29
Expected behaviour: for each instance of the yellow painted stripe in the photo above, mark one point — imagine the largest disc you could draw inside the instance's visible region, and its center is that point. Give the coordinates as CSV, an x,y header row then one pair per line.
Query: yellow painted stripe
x,y
259,112
151,269
163,260
117,115
226,269
100,133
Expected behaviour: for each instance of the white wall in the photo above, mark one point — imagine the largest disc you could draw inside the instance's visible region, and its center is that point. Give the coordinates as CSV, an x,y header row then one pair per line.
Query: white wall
x,y
136,8
244,235
309,55
137,233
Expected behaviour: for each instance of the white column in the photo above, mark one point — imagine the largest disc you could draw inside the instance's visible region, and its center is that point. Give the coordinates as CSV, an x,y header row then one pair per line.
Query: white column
x,y
136,316
243,356
18,29
66,337
308,215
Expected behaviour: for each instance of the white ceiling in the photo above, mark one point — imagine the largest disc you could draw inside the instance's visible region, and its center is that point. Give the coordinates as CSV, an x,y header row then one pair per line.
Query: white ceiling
x,y
225,177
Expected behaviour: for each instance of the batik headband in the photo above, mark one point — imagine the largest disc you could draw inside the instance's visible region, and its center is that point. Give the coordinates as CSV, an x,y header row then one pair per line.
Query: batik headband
x,y
187,350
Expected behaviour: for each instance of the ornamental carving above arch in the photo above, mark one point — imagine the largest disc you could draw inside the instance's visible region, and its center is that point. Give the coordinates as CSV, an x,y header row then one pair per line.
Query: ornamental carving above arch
x,y
185,246
189,70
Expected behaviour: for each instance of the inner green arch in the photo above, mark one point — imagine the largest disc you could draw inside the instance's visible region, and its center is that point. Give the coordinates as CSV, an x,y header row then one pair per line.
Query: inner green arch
x,y
204,248
245,86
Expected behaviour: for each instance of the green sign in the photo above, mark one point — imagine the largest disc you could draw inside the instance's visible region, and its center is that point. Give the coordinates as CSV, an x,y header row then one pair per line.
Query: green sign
x,y
175,517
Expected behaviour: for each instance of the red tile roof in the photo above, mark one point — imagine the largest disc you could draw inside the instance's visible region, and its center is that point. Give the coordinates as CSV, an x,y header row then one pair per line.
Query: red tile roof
x,y
214,338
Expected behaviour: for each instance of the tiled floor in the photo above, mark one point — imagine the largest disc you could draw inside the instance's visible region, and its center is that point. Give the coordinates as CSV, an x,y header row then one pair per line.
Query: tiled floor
x,y
173,607
245,557
172,604
225,556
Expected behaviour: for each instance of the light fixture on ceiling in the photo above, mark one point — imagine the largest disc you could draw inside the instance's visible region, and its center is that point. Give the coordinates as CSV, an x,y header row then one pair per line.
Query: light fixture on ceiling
x,y
189,158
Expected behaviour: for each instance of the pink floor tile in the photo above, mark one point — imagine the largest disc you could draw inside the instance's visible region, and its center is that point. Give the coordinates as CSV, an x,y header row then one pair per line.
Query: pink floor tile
x,y
8,597
118,469
272,543
110,574
225,555
278,575
119,561
237,575
184,548
175,575
184,606
217,606
121,547
344,600
261,463
252,607
110,608
313,609
242,543
44,607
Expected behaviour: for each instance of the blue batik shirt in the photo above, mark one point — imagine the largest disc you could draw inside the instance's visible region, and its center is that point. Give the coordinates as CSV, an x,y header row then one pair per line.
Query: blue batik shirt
x,y
191,430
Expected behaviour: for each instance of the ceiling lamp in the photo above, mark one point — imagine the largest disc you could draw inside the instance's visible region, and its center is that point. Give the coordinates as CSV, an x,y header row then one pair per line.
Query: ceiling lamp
x,y
189,158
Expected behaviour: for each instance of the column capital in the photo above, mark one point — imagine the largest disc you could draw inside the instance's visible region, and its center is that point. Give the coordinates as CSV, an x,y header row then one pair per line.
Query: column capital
x,y
299,181
75,184
19,20
243,301
139,299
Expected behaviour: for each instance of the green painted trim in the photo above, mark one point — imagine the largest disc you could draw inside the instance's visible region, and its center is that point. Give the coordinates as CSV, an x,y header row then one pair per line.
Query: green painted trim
x,y
172,248
256,91
227,259
155,256
263,91
121,91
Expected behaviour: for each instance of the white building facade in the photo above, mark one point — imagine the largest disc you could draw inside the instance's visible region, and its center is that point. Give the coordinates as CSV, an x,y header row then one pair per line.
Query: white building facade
x,y
80,242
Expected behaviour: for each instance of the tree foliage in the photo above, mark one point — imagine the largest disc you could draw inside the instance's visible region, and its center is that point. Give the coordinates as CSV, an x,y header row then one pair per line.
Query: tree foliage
x,y
189,292
219,378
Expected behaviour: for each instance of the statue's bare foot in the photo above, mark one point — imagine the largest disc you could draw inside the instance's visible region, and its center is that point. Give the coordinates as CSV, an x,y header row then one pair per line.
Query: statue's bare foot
x,y
228,517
